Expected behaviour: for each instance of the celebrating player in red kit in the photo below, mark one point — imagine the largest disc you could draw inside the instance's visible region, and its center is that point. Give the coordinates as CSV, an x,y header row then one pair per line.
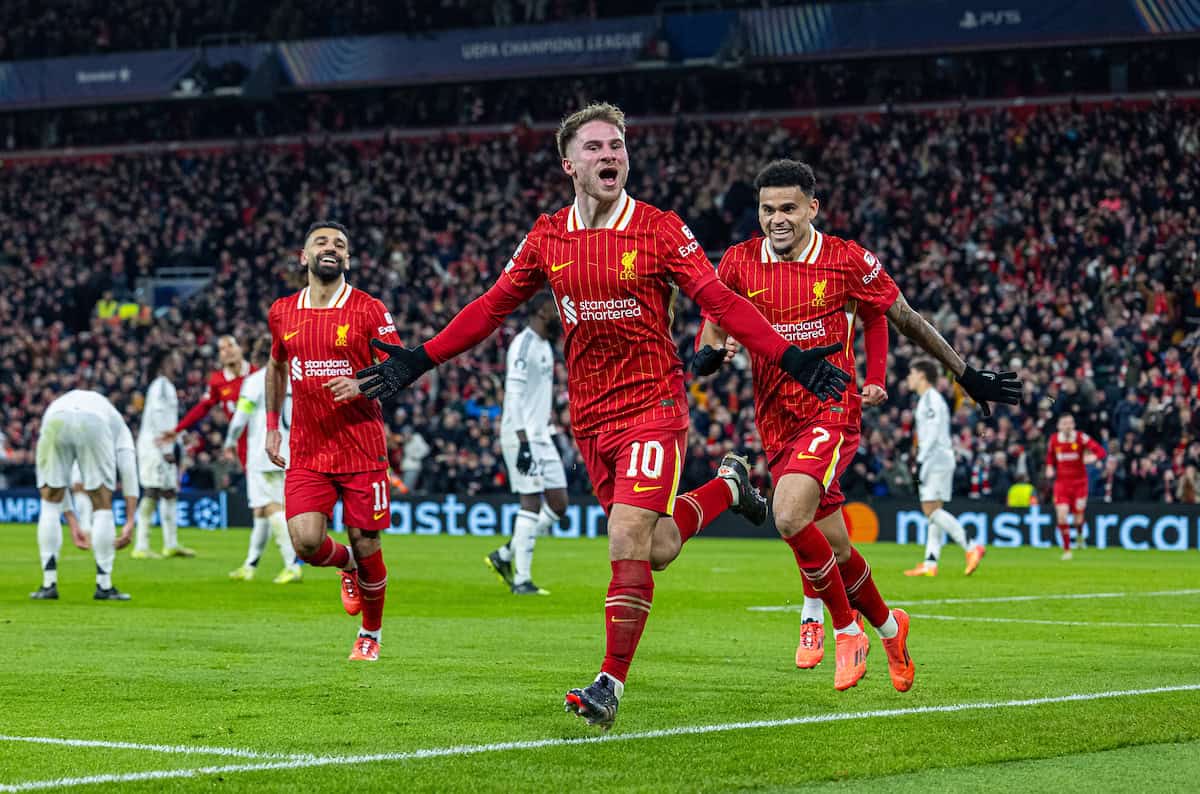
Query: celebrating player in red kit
x,y
1067,456
802,281
224,385
320,336
613,263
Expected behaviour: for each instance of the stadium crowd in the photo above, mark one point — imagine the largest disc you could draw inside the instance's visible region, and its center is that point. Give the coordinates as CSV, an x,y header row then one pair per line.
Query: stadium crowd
x,y
1059,242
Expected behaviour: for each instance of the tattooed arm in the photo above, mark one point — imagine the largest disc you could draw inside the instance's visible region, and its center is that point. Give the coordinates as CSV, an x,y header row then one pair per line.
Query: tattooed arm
x,y
918,329
982,386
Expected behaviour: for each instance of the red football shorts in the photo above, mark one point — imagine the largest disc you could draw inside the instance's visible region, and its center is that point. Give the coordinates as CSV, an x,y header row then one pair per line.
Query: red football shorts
x,y
366,500
823,452
639,466
1072,493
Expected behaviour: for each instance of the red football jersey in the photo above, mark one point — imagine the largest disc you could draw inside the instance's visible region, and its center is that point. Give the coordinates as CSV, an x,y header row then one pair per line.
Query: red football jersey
x,y
222,390
318,345
806,302
615,288
1066,456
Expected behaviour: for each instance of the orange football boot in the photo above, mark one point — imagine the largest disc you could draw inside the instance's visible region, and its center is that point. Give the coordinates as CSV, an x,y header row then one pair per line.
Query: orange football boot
x,y
811,649
924,569
366,649
351,595
974,556
852,652
900,664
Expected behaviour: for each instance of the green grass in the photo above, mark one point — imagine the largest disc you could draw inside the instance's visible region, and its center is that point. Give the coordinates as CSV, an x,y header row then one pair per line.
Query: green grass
x,y
198,660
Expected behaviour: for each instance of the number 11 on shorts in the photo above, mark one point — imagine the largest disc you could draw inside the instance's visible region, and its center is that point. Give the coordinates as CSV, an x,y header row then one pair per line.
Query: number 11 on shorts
x,y
380,490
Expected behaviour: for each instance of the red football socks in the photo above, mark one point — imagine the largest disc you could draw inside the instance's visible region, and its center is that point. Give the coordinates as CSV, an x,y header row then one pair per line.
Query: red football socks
x,y
630,592
372,581
816,561
696,509
1064,532
861,590
330,555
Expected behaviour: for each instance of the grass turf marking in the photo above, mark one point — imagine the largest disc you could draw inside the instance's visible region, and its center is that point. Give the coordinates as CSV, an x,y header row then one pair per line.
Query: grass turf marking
x,y
997,599
303,762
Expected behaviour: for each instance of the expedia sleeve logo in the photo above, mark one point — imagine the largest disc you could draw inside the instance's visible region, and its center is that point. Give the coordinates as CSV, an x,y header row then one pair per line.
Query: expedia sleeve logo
x,y
874,264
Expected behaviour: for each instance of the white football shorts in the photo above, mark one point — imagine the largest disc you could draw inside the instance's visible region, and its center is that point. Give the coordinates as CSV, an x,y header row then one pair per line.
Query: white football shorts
x,y
546,474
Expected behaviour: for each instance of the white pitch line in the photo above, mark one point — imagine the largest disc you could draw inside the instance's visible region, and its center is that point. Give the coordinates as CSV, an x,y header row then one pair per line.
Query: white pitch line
x,y
537,744
999,599
177,749
977,619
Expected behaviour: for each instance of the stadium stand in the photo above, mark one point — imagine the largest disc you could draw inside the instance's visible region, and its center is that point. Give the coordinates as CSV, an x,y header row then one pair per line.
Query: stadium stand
x,y
749,88
1060,241
85,27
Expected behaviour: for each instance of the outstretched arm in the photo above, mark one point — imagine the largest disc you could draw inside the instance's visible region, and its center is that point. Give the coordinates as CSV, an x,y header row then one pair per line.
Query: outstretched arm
x,y
469,327
475,322
738,315
918,329
982,386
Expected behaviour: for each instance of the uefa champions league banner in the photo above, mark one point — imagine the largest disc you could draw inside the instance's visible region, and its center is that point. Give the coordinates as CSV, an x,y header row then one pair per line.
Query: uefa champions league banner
x,y
194,509
825,29
466,54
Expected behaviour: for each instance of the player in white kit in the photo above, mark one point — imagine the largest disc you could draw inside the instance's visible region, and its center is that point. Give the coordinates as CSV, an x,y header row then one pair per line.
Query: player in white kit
x,y
526,439
157,466
264,480
80,503
83,427
935,458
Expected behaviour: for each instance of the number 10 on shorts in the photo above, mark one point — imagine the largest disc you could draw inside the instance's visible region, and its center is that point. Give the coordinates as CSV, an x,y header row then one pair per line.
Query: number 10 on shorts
x,y
651,454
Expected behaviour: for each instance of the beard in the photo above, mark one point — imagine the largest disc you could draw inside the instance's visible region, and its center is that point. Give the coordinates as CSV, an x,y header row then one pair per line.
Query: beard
x,y
553,330
325,272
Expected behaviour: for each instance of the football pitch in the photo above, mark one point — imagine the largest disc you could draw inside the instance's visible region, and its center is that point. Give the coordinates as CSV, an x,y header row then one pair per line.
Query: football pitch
x,y
1033,673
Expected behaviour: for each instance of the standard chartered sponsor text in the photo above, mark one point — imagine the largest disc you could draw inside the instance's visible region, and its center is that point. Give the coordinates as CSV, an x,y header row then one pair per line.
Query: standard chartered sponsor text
x,y
327,368
798,332
615,309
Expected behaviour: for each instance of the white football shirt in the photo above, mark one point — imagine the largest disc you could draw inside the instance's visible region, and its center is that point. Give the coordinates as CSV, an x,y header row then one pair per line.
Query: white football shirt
x,y
161,412
933,426
528,388
251,417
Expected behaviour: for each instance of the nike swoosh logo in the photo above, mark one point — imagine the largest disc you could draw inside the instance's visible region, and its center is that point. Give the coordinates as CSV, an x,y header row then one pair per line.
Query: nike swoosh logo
x,y
289,335
377,516
639,488
623,620
556,268
802,456
756,292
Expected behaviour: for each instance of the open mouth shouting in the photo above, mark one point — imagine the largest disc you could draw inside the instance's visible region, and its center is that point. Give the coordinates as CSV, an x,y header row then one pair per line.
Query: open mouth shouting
x,y
609,177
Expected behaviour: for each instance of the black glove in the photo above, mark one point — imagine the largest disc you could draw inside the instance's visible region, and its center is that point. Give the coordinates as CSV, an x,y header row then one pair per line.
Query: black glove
x,y
524,458
708,360
398,371
984,386
810,369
